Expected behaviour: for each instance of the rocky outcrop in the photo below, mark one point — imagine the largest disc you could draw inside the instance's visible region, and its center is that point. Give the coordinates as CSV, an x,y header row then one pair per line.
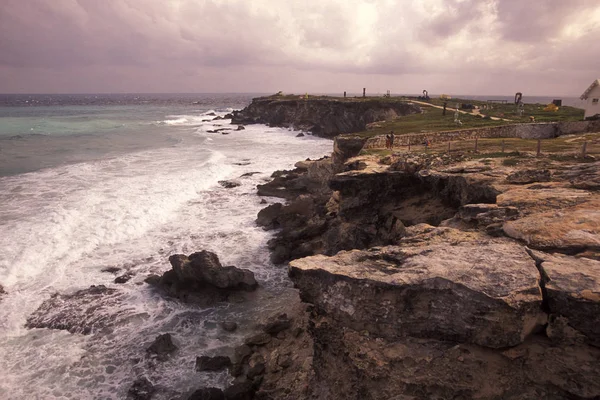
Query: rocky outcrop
x,y
162,347
200,278
321,116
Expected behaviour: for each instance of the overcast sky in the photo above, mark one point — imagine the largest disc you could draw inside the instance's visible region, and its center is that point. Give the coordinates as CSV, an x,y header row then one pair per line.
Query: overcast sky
x,y
538,47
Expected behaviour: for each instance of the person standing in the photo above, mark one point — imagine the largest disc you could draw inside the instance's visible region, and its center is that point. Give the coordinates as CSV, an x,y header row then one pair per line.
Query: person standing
x,y
391,140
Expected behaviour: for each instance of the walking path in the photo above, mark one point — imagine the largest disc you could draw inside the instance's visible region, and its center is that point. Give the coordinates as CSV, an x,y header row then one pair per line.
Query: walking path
x,y
462,112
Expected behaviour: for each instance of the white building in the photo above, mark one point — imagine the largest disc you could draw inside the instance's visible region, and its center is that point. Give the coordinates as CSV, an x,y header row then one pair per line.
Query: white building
x,y
592,97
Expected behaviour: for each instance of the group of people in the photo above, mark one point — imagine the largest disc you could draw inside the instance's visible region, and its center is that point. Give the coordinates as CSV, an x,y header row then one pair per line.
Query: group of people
x,y
389,140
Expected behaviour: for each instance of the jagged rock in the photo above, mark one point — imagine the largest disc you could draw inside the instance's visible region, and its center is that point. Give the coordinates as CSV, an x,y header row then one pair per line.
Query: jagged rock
x,y
525,176
267,217
204,267
300,134
207,394
229,326
240,391
112,270
569,230
572,287
488,295
322,117
200,278
205,363
123,278
249,174
85,311
486,214
141,389
582,176
230,184
258,340
256,365
162,347
281,323
240,128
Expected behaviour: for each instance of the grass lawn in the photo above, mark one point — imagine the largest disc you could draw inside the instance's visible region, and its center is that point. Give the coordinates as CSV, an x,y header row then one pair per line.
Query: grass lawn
x,y
431,120
509,111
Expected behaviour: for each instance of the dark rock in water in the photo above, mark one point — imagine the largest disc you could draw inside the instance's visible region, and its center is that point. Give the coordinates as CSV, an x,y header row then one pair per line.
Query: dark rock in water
x,y
218,118
242,163
162,347
207,394
217,363
300,134
240,391
267,217
2,290
259,340
250,174
225,133
142,389
230,184
211,114
152,279
278,325
228,116
112,270
123,278
240,128
229,326
263,201
525,176
211,131
85,311
242,353
200,278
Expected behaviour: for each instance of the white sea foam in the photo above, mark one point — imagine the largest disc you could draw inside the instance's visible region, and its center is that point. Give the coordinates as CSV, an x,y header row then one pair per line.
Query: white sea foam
x,y
60,227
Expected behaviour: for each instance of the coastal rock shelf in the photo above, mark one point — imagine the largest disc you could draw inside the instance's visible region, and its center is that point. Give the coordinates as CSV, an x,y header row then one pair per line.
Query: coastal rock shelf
x,y
456,278
321,116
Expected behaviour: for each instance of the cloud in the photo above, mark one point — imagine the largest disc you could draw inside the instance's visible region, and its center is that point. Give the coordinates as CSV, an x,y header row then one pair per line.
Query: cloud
x,y
414,41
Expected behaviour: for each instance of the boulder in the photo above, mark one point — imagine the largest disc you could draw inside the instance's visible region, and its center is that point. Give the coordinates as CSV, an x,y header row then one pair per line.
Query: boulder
x,y
240,128
240,391
207,394
483,294
216,363
300,134
230,184
279,324
141,389
123,278
229,326
204,268
525,176
162,347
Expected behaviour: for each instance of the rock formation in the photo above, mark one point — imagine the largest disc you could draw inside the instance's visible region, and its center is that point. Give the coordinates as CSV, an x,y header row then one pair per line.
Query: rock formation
x,y
321,116
200,278
456,278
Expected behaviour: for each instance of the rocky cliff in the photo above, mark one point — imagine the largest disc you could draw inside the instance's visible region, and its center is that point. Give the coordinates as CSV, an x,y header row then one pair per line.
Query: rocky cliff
x,y
321,116
443,277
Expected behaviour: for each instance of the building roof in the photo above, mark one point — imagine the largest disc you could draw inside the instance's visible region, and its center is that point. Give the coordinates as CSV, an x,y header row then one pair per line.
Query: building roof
x,y
584,96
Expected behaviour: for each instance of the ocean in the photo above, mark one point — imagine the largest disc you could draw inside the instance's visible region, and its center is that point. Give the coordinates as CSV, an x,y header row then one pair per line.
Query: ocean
x,y
91,182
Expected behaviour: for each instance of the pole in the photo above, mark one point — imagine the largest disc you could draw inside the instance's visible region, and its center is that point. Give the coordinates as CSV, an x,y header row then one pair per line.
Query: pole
x,y
584,149
539,148
364,92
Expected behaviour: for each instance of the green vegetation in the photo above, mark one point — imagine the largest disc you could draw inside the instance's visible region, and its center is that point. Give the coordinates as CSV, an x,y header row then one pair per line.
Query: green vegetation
x,y
509,110
431,120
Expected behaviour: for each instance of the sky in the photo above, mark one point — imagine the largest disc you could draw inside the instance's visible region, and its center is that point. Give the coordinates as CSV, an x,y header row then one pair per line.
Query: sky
x,y
538,47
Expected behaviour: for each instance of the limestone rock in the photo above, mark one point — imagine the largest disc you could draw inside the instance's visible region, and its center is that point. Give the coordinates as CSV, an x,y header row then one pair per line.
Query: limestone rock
x,y
525,176
582,176
572,288
488,295
486,214
573,229
535,199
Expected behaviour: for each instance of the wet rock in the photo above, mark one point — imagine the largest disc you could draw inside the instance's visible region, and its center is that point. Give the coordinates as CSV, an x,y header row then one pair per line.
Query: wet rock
x,y
123,278
229,326
525,176
200,278
483,294
207,394
211,114
242,353
142,389
162,347
85,311
258,340
111,270
281,323
256,366
300,134
216,363
240,391
249,174
268,216
240,128
230,184
2,290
